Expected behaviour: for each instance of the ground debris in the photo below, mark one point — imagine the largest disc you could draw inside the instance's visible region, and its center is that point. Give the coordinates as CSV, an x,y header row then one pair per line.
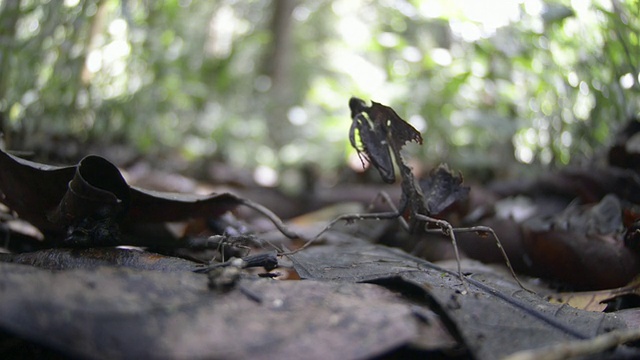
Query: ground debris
x,y
128,313
495,319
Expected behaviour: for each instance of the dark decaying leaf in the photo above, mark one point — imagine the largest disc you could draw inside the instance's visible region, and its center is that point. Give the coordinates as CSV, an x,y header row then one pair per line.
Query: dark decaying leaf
x,y
96,201
124,313
154,206
583,246
382,134
97,191
33,190
587,184
53,198
441,189
581,261
493,320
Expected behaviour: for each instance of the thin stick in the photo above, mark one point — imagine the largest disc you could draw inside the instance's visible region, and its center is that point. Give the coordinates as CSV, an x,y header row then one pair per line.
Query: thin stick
x,y
486,229
572,349
353,217
347,218
279,224
387,199
275,220
447,230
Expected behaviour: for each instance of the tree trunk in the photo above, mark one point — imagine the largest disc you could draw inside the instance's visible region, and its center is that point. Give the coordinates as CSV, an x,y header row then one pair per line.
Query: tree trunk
x,y
9,16
279,70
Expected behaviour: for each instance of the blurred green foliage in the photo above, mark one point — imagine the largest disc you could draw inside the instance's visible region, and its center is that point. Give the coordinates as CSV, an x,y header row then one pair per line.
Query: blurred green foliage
x,y
491,84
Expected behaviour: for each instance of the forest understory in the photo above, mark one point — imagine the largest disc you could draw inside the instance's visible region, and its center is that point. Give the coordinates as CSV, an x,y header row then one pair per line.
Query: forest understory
x,y
102,261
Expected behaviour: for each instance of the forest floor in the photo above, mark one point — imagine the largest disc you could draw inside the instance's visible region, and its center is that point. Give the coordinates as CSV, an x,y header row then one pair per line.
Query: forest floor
x,y
105,260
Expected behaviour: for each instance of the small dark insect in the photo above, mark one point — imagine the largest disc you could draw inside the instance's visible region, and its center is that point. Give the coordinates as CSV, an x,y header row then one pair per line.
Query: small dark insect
x,y
382,134
270,275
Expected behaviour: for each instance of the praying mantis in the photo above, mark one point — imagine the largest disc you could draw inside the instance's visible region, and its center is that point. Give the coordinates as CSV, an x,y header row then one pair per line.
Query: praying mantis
x,y
383,134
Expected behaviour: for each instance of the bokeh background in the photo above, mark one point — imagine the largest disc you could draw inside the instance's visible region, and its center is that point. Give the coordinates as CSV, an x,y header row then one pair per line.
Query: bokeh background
x,y
498,88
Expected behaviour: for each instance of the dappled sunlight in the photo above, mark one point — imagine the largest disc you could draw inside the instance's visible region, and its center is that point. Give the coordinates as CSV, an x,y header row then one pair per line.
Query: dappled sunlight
x,y
477,77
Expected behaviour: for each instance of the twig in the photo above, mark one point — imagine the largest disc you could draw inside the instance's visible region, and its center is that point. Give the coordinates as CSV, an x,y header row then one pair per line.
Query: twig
x,y
347,218
447,230
571,349
485,229
275,220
